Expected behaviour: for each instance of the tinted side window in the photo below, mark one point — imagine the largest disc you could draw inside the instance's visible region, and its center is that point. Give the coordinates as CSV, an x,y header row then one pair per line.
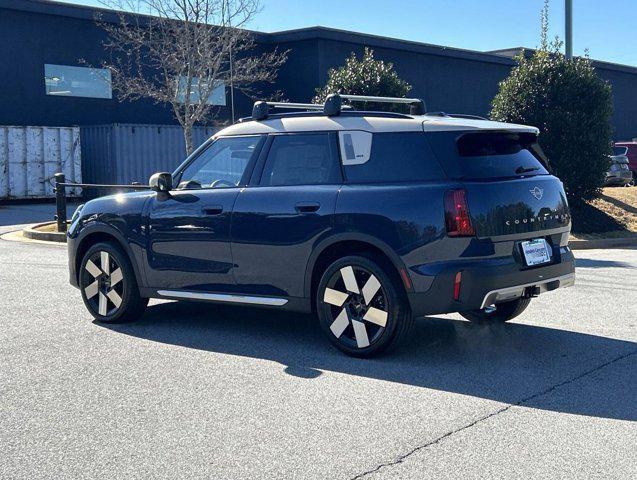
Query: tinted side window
x,y
306,159
396,157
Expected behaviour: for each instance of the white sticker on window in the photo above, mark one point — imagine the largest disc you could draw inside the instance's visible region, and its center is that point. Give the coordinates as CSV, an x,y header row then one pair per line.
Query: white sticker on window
x,y
356,146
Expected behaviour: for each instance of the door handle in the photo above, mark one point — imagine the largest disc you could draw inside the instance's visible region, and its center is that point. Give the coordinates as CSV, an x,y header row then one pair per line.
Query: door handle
x,y
307,207
213,210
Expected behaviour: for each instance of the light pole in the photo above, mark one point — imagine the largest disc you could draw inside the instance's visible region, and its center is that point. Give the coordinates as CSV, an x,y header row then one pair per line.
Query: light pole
x,y
568,27
231,86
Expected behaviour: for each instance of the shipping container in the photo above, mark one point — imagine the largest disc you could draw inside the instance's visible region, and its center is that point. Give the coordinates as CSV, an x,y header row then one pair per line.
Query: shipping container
x,y
30,156
126,153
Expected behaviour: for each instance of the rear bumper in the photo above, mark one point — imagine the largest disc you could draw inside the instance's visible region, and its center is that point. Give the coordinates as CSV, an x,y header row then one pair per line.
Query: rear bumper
x,y
489,281
619,178
518,291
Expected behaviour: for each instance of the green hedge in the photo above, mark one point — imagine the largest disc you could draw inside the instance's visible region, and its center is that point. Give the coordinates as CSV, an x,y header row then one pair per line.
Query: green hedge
x,y
571,106
366,76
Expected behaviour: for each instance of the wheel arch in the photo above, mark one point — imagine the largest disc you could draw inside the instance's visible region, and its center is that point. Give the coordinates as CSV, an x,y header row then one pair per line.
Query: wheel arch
x,y
339,246
103,233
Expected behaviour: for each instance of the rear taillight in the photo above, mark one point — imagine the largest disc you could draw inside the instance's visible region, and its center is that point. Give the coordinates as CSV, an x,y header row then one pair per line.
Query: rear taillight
x,y
457,218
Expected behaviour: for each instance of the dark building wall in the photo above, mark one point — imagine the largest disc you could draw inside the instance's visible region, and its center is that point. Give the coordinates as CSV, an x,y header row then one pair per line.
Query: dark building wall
x,y
624,87
33,33
300,74
446,83
29,40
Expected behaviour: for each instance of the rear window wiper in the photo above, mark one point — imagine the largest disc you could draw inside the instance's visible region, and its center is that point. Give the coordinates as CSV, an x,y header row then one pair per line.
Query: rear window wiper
x,y
521,170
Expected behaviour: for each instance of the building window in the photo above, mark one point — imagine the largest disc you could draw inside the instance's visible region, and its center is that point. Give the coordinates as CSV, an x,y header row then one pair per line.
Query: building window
x,y
67,81
216,97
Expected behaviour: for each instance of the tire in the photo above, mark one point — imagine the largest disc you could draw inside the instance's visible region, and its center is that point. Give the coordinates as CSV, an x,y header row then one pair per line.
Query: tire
x,y
366,315
503,312
108,285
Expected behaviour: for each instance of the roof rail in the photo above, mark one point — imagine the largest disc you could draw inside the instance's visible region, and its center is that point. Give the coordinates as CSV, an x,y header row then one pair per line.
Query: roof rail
x,y
468,117
455,115
334,104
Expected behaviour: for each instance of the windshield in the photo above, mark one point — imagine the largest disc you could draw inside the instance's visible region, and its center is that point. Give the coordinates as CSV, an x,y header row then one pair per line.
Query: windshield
x,y
620,150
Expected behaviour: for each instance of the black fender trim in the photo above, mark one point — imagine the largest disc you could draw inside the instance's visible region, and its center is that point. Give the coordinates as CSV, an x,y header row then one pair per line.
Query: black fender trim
x,y
99,227
344,237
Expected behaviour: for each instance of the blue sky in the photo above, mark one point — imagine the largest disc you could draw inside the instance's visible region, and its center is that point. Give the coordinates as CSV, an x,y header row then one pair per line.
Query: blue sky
x,y
608,29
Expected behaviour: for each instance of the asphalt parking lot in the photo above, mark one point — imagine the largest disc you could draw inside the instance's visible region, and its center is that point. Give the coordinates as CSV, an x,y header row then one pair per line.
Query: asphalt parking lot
x,y
202,391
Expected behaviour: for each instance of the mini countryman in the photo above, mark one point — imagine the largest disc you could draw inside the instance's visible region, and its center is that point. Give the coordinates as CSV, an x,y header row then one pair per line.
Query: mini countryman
x,y
368,219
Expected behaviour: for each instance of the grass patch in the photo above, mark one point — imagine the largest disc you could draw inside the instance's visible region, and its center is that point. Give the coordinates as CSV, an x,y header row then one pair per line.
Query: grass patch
x,y
50,227
613,215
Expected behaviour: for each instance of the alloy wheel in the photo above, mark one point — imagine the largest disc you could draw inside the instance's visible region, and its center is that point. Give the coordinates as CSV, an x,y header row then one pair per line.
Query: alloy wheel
x,y
358,306
103,285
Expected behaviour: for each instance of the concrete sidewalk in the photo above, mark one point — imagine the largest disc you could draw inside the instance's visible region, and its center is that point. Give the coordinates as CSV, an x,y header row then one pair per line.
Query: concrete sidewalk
x,y
16,216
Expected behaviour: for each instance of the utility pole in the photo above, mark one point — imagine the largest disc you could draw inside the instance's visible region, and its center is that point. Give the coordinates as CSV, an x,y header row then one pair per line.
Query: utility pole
x,y
568,27
226,7
231,86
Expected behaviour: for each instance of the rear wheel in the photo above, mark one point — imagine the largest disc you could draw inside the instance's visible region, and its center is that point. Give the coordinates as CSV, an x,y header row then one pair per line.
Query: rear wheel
x,y
108,285
500,313
360,308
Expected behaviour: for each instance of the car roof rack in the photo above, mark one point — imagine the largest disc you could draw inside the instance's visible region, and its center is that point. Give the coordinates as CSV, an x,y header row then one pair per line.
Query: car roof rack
x,y
416,105
333,105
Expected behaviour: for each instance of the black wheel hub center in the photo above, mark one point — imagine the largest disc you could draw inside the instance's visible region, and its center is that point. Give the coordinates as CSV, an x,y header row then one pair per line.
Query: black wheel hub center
x,y
357,305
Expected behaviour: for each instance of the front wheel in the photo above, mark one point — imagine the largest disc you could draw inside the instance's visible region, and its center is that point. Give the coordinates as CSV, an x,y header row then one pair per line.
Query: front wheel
x,y
360,308
108,285
500,313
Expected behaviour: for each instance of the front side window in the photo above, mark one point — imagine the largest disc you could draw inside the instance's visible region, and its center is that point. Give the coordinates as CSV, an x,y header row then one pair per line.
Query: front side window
x,y
222,164
67,81
301,159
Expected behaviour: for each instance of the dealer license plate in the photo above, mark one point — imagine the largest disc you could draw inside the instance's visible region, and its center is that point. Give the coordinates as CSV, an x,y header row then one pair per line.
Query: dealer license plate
x,y
536,252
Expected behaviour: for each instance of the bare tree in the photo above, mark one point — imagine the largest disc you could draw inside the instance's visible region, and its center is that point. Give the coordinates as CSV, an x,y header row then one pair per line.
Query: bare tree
x,y
178,52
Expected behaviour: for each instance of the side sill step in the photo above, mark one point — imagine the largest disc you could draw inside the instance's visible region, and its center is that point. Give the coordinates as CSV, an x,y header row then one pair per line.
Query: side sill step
x,y
224,297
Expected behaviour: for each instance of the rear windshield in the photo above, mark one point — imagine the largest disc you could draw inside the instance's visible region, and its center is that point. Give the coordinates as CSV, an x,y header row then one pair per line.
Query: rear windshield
x,y
489,154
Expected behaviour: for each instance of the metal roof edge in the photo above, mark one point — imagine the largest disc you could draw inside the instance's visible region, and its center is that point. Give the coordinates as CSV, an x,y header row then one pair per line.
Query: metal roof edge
x,y
510,52
85,12
328,33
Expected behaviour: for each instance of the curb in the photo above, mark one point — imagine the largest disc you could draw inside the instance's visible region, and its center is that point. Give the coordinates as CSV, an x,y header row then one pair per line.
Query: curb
x,y
603,243
34,234
18,236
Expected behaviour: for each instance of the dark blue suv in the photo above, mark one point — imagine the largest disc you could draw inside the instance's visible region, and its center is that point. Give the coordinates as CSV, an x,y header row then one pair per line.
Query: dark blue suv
x,y
368,219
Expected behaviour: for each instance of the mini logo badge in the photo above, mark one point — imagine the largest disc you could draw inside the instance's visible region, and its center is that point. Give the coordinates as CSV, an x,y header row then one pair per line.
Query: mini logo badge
x,y
537,192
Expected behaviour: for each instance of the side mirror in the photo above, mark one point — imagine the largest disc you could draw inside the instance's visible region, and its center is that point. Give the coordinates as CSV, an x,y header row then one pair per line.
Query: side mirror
x,y
161,182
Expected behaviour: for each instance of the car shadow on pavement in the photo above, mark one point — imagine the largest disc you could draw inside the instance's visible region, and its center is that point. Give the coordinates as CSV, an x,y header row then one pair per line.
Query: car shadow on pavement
x,y
596,263
513,363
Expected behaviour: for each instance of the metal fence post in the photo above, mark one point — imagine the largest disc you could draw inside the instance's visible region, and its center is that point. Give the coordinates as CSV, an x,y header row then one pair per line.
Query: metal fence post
x,y
60,202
